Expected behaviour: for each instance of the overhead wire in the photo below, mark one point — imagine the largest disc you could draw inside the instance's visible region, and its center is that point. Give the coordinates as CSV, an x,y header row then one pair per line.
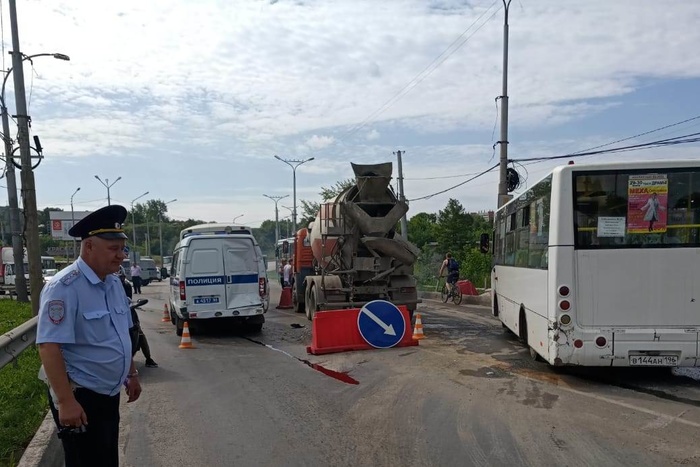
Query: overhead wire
x,y
480,174
427,71
684,139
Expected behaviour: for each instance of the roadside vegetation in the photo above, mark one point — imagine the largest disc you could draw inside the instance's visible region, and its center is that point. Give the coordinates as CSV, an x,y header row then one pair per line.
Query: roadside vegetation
x,y
23,399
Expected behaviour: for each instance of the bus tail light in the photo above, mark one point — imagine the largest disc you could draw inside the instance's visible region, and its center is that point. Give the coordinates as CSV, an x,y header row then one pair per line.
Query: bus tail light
x,y
565,305
578,343
565,319
601,341
183,295
564,291
261,286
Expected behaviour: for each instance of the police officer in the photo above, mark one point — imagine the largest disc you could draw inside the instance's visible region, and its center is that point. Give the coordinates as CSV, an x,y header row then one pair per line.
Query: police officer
x,y
84,343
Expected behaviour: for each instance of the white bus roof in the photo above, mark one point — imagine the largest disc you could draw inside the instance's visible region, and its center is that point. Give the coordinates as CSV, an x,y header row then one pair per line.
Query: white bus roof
x,y
215,229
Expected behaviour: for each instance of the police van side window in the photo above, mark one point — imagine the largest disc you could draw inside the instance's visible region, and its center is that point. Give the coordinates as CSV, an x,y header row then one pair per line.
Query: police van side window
x,y
174,264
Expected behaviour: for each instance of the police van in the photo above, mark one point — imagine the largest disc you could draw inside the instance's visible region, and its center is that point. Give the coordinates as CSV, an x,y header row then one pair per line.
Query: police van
x,y
217,272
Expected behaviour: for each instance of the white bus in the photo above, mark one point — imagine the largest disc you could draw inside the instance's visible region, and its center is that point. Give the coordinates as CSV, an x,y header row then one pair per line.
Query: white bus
x,y
599,265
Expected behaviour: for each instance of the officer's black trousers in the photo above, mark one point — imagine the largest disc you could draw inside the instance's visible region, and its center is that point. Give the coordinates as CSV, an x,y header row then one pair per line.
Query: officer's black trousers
x,y
99,444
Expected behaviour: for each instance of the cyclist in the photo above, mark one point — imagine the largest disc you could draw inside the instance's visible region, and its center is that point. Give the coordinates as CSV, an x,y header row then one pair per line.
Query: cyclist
x,y
452,267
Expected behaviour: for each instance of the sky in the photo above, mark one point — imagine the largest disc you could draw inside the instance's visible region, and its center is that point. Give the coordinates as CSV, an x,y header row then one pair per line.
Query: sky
x,y
192,99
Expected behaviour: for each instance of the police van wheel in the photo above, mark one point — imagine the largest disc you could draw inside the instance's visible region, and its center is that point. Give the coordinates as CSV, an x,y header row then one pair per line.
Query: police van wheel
x,y
179,326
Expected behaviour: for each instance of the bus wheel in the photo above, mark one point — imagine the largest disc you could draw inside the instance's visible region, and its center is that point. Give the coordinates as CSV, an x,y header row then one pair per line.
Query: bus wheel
x,y
534,355
495,306
522,331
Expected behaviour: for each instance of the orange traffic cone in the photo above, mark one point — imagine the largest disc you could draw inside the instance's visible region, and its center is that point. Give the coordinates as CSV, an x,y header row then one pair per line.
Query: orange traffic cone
x,y
166,313
186,342
418,330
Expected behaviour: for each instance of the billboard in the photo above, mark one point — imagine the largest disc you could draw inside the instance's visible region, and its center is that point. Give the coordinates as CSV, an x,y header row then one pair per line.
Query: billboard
x,y
62,221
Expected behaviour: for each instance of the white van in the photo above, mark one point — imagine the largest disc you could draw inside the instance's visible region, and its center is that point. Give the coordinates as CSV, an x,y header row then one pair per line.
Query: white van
x,y
217,272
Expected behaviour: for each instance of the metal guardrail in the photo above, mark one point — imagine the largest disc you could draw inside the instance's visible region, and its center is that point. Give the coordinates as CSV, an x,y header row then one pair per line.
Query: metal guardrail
x,y
17,341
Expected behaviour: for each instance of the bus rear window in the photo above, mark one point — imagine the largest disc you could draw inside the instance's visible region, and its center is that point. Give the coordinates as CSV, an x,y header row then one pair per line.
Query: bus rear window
x,y
637,209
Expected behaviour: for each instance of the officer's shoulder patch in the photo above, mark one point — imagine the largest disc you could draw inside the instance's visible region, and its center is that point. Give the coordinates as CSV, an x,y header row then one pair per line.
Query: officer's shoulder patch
x,y
57,311
70,277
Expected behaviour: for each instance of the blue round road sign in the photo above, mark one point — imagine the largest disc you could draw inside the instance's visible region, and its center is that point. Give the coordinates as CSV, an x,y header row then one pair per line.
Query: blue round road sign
x,y
381,324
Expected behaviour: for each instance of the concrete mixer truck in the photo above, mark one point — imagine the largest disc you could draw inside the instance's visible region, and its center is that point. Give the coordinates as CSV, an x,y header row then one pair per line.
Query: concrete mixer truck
x,y
357,255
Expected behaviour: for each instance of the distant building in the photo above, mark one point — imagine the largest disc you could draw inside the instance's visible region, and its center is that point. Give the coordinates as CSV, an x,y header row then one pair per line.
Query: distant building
x,y
486,215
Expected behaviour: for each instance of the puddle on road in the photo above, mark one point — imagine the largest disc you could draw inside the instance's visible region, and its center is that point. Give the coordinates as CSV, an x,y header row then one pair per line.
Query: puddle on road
x,y
340,376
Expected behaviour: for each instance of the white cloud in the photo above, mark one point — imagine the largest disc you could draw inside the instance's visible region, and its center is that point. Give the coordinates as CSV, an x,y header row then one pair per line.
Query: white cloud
x,y
319,142
204,92
373,135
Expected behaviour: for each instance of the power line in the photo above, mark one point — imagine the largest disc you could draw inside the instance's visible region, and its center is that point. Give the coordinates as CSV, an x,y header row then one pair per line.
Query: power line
x,y
697,117
684,139
456,186
427,71
442,177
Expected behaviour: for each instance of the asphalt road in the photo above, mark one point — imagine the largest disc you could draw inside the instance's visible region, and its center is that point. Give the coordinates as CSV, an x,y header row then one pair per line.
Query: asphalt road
x,y
468,395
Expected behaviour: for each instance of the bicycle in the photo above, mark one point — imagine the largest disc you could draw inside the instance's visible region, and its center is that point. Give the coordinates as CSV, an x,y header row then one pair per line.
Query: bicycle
x,y
455,294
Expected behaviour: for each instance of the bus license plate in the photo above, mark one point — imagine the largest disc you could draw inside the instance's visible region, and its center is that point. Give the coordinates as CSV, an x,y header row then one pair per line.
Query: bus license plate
x,y
656,360
205,300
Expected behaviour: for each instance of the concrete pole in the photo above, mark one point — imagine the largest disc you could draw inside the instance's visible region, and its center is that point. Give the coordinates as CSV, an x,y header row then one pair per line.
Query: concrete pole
x,y
503,172
148,238
402,196
15,225
276,199
72,216
160,237
36,278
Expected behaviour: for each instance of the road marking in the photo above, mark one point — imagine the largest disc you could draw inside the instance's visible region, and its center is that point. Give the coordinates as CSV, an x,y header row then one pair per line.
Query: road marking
x,y
388,330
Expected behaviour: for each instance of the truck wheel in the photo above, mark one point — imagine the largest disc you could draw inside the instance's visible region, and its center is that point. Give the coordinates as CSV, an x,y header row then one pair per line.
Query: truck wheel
x,y
311,301
179,326
299,307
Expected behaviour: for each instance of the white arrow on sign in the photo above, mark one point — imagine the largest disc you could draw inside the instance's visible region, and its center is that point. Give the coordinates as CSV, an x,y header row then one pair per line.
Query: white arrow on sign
x,y
388,330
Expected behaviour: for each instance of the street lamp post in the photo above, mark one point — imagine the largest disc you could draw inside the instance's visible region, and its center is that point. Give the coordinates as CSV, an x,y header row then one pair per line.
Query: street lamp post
x,y
108,186
234,219
72,217
276,199
12,201
294,164
160,233
133,221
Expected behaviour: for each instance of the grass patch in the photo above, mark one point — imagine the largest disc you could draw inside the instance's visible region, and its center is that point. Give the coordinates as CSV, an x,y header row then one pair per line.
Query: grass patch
x,y
23,402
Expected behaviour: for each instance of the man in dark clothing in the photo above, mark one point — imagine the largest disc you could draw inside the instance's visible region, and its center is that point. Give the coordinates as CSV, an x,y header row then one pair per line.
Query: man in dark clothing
x,y
143,342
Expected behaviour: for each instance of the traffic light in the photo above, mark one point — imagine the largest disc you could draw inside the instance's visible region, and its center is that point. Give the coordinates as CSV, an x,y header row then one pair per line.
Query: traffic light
x,y
285,247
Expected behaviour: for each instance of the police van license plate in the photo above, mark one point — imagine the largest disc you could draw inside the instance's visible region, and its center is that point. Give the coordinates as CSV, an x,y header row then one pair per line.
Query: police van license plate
x,y
655,360
205,300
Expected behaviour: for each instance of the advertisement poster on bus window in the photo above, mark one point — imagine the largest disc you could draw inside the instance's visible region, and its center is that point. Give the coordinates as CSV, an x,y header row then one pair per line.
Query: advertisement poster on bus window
x,y
647,199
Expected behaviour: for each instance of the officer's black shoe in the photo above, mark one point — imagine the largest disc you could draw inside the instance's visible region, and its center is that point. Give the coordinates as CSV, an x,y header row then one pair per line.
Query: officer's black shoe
x,y
150,363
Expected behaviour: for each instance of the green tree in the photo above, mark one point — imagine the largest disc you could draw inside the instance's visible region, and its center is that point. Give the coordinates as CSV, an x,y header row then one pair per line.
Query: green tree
x,y
310,208
422,229
453,230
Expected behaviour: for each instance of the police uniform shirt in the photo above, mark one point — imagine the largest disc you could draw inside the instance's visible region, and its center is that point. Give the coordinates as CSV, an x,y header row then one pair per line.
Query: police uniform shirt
x,y
90,319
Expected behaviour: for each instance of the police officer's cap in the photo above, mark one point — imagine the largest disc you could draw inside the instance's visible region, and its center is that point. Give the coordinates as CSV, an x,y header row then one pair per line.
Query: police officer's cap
x,y
105,223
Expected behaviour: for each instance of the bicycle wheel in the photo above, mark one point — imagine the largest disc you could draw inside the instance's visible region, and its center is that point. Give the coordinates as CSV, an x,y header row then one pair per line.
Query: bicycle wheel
x,y
456,295
444,295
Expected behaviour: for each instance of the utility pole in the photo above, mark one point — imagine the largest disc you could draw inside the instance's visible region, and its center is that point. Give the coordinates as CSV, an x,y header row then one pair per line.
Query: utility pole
x,y
276,199
147,240
133,220
36,278
503,196
15,225
160,233
72,216
402,196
